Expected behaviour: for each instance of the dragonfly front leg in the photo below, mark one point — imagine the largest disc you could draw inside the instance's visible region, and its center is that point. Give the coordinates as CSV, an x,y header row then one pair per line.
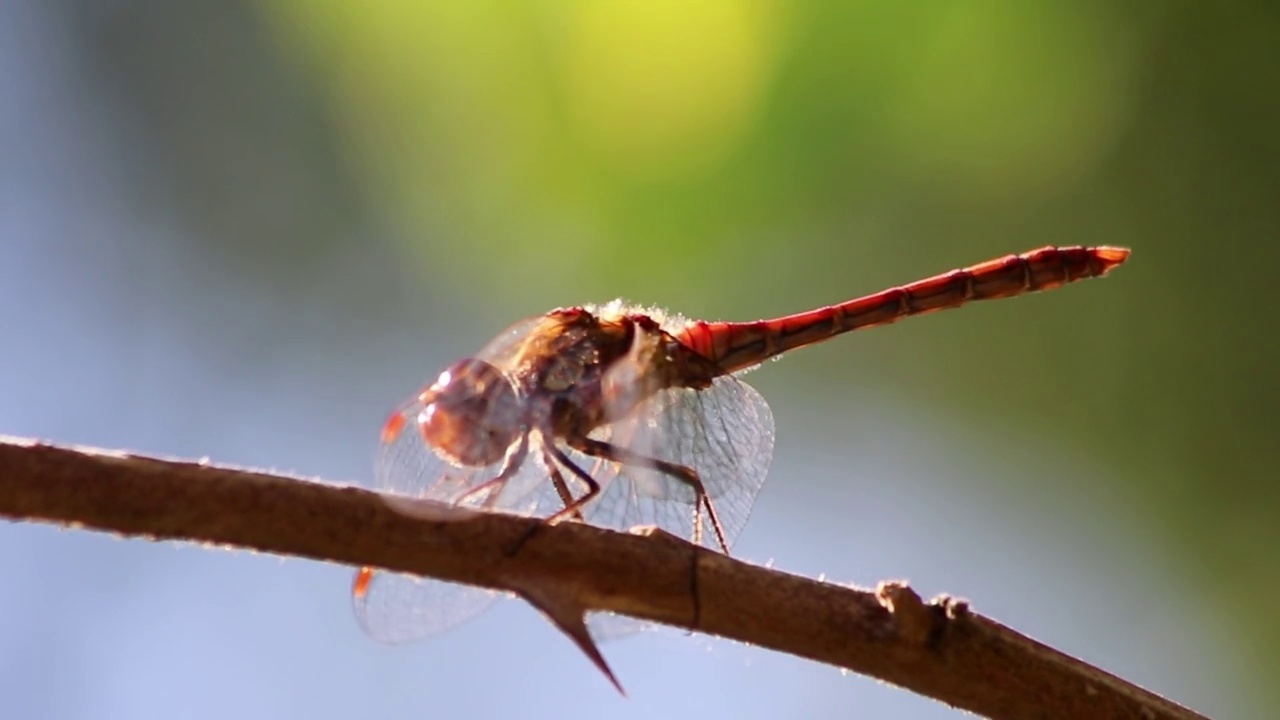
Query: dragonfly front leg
x,y
686,475
515,458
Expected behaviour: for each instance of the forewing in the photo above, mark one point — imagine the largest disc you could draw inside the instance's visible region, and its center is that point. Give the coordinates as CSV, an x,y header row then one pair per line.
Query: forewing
x,y
724,432
397,608
406,465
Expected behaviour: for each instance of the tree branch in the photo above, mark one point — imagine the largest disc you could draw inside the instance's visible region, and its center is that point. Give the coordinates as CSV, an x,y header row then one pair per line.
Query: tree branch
x,y
940,649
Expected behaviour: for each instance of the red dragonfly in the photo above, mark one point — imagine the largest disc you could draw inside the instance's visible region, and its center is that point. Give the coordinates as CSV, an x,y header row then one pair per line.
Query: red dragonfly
x,y
623,416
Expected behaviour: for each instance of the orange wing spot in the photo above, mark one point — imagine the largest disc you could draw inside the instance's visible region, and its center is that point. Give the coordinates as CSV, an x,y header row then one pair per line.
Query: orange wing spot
x,y
360,586
392,429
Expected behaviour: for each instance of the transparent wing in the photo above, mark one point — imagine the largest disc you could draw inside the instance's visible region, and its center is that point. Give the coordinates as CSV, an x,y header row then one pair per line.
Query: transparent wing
x,y
724,432
401,608
397,608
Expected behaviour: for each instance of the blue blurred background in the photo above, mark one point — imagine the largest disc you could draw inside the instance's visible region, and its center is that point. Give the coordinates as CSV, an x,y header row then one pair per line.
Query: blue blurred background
x,y
247,230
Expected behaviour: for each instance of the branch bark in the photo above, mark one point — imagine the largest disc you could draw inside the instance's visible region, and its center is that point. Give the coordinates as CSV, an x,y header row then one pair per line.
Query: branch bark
x,y
940,649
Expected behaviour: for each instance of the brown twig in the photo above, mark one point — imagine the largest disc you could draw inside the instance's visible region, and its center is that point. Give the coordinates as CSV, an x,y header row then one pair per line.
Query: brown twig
x,y
940,649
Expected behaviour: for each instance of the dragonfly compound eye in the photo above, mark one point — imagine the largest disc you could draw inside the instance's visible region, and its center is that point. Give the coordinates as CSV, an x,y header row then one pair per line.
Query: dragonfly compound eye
x,y
472,414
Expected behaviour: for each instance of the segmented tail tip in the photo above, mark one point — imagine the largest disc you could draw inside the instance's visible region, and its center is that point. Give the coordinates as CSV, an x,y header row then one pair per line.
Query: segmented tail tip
x,y
1110,257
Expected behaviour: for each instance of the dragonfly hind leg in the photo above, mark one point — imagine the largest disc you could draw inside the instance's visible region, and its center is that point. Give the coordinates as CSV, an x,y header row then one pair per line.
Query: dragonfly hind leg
x,y
551,458
572,507
686,475
562,488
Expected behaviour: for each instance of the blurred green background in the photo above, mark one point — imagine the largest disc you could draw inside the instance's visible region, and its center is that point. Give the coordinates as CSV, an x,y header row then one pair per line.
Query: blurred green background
x,y
742,159
410,177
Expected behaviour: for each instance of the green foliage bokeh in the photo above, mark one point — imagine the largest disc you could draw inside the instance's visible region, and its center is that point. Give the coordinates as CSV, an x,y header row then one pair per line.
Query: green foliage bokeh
x,y
745,159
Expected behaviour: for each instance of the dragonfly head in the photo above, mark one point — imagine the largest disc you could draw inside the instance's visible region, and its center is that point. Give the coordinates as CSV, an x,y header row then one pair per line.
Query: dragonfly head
x,y
471,415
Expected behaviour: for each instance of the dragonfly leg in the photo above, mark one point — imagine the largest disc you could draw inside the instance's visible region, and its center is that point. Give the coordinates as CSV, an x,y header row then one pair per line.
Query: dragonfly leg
x,y
572,507
515,458
562,488
686,475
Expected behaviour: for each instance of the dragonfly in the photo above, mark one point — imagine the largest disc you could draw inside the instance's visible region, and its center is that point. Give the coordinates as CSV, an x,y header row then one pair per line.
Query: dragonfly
x,y
622,416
